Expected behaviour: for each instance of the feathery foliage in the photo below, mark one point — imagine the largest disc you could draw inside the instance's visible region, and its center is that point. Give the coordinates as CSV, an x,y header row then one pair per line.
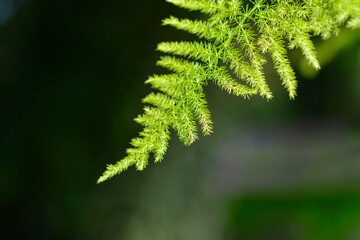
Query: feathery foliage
x,y
233,41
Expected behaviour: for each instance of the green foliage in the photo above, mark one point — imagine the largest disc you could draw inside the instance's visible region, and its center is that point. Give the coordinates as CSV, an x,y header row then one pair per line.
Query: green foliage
x,y
234,39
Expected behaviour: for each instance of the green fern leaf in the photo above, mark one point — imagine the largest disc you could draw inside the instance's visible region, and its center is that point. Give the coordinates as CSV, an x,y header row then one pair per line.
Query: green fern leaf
x,y
234,39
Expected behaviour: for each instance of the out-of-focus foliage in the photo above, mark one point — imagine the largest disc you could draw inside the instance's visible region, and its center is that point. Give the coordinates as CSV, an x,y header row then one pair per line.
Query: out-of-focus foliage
x,y
316,216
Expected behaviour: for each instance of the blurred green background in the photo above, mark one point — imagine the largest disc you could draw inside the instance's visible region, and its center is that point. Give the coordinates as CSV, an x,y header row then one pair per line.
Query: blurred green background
x,y
71,78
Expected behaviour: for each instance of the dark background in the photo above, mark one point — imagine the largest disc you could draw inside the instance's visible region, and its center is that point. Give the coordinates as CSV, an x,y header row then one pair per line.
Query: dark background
x,y
71,78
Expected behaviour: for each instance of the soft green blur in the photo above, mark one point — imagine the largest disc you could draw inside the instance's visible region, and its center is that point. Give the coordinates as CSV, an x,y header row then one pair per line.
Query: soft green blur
x,y
72,77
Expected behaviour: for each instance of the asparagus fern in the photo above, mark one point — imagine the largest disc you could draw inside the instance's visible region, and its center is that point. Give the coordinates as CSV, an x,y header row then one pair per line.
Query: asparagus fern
x,y
233,41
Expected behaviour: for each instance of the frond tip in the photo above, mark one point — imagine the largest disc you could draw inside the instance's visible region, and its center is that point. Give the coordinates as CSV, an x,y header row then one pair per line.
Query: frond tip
x,y
234,39
115,169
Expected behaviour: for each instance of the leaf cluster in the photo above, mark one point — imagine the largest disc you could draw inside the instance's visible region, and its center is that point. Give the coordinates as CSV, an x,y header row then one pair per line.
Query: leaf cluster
x,y
233,41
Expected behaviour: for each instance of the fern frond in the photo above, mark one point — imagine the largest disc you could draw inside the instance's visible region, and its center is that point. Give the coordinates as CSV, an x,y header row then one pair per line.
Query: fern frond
x,y
234,40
